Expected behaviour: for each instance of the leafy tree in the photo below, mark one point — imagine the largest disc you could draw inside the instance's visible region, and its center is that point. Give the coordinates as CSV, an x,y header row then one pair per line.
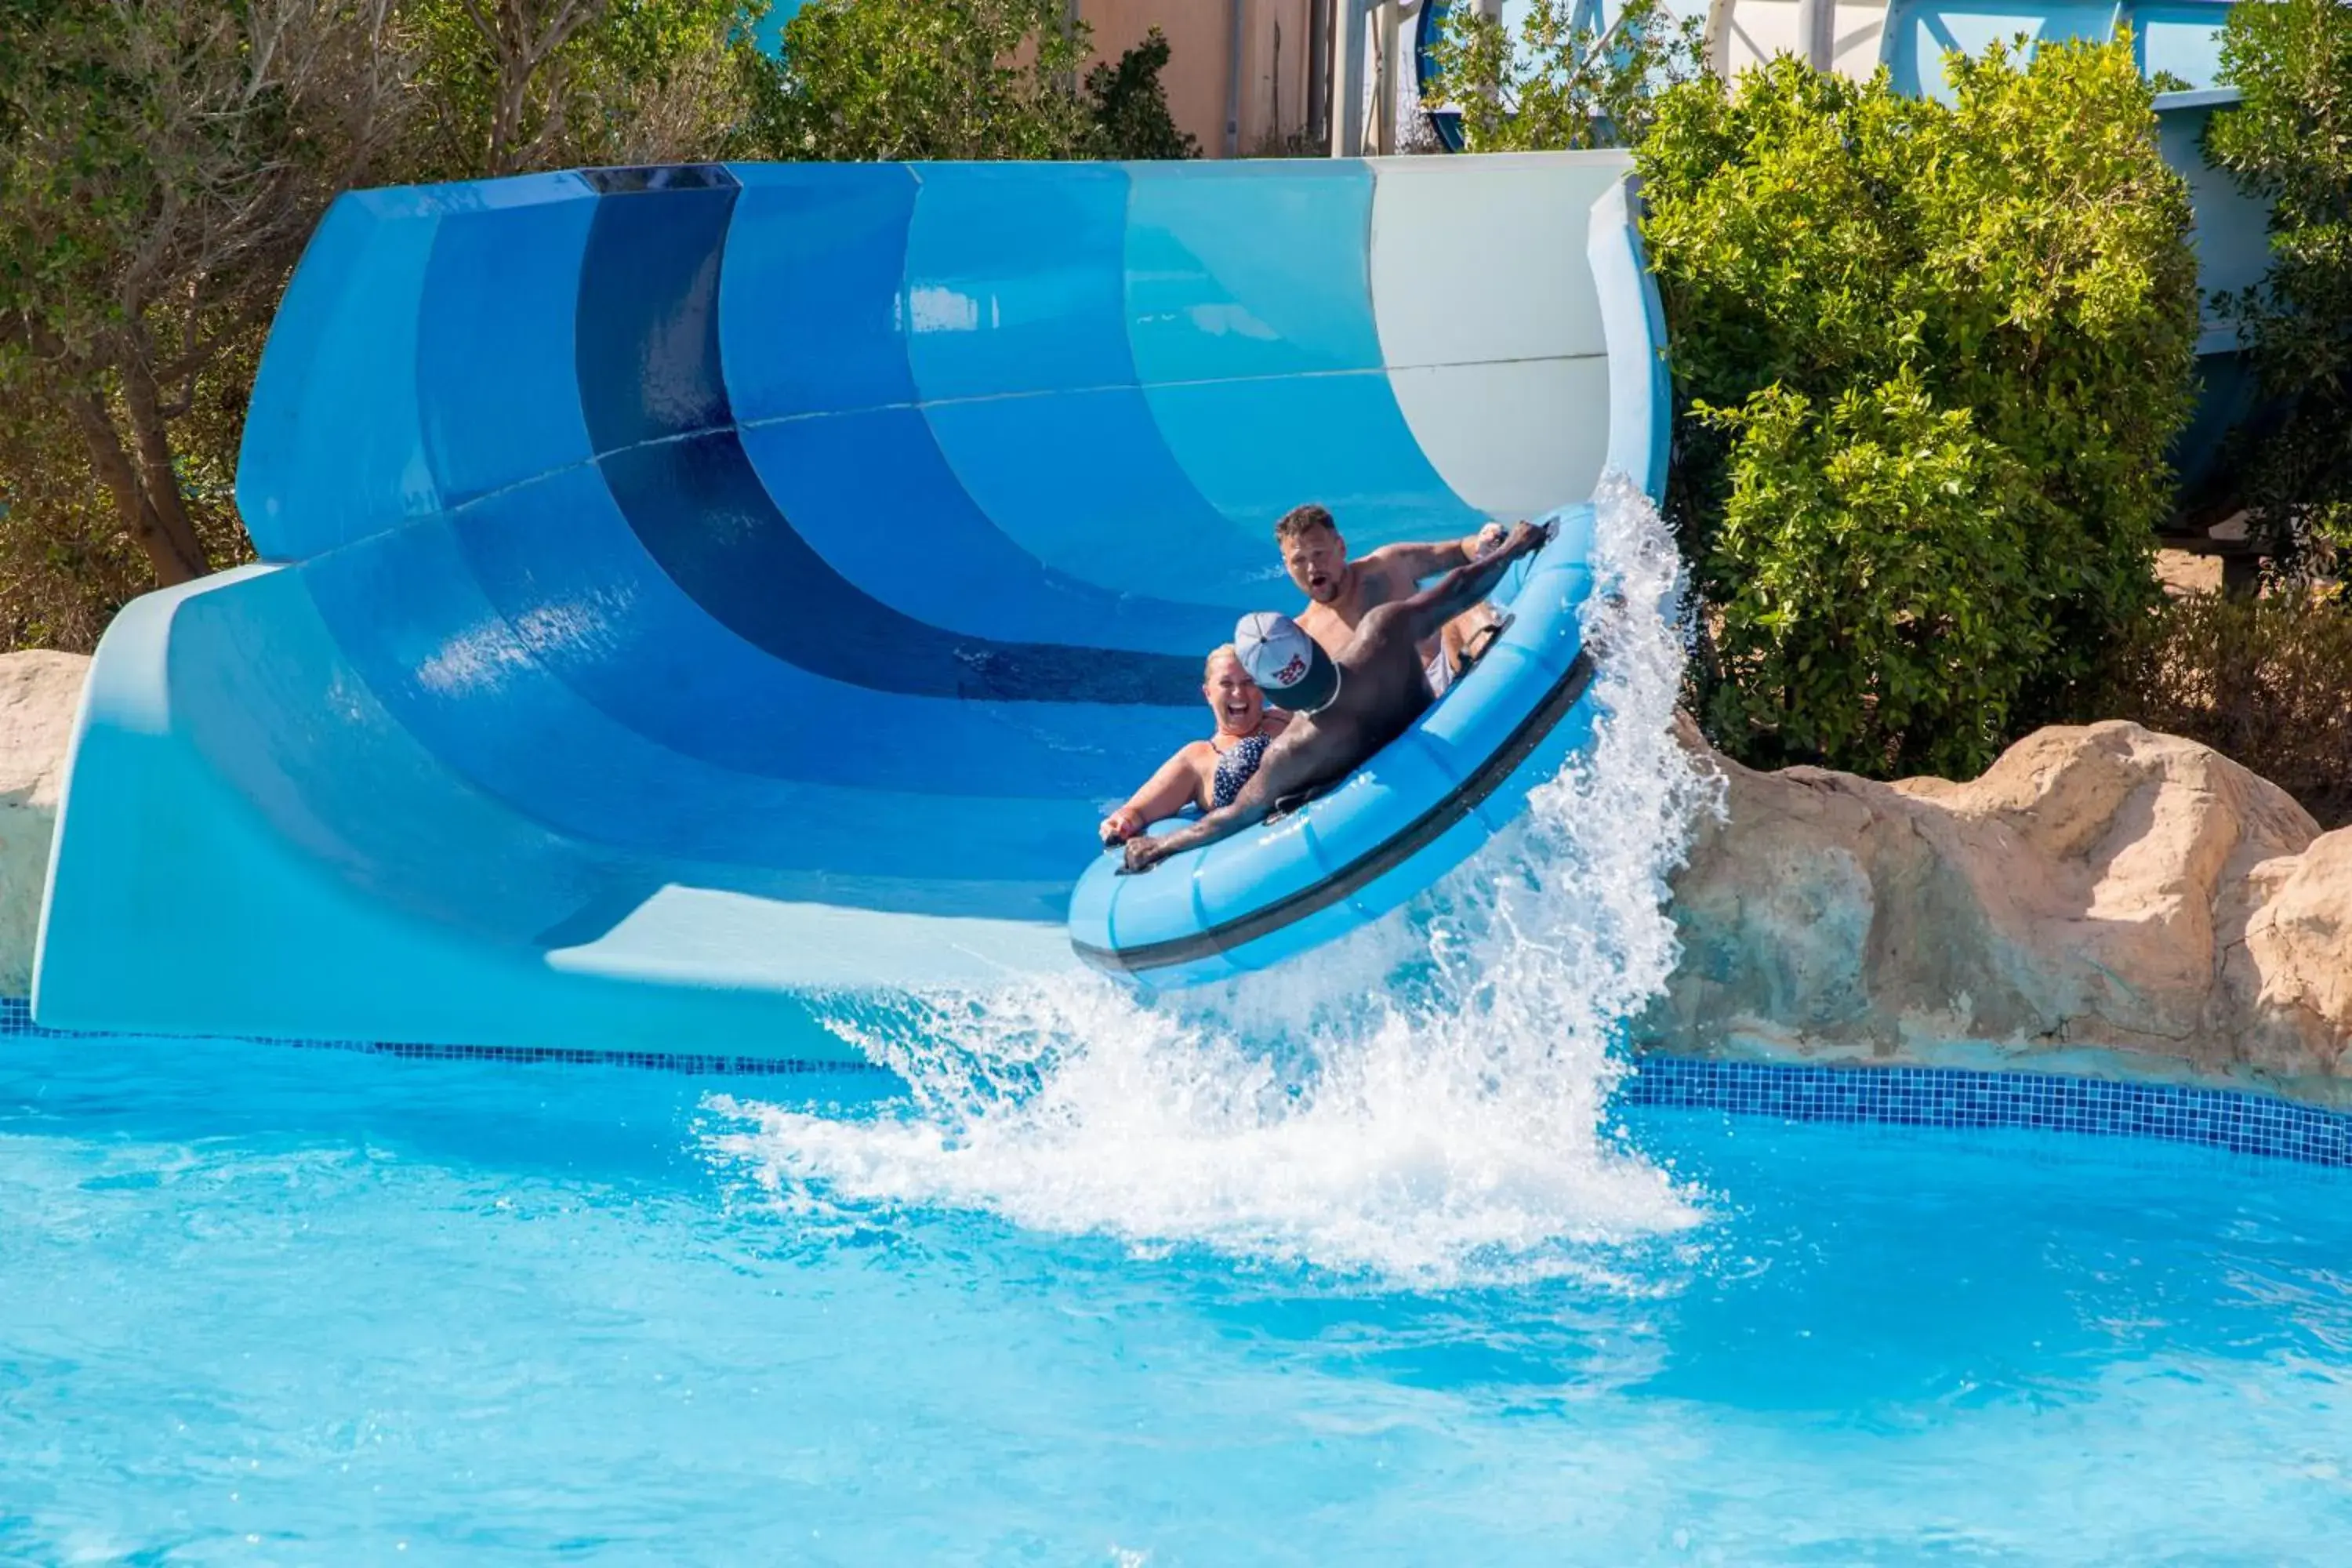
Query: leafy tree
x,y
2289,142
65,563
1933,356
1560,84
960,79
161,163
538,84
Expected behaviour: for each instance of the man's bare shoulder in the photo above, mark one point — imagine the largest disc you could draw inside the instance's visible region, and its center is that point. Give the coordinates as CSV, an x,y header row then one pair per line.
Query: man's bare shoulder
x,y
1385,573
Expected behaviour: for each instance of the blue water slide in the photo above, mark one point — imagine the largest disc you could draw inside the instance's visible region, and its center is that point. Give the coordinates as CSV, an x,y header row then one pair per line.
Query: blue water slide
x,y
688,593
2179,39
769,32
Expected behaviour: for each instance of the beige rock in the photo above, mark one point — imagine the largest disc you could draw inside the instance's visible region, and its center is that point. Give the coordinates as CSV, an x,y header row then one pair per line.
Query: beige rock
x,y
2100,893
2292,974
40,693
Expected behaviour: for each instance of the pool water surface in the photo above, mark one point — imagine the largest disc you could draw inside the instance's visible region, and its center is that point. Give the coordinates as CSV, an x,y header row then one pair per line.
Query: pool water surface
x,y
265,1305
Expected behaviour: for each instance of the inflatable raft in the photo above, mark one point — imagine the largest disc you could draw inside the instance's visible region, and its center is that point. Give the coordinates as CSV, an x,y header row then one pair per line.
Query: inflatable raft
x,y
1413,812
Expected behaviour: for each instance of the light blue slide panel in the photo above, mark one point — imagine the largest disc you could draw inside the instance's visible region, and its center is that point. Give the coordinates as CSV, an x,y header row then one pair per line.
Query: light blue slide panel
x,y
692,593
2180,39
1253,307
1022,267
1919,33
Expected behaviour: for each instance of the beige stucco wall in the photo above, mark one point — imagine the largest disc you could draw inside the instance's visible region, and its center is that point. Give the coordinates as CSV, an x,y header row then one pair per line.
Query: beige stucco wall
x,y
1274,95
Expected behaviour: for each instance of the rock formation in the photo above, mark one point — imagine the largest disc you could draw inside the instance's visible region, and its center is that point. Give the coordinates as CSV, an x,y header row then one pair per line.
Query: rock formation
x,y
40,694
2100,894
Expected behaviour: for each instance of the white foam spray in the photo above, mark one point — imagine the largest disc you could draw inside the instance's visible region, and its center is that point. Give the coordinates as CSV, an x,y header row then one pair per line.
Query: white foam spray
x,y
1423,1103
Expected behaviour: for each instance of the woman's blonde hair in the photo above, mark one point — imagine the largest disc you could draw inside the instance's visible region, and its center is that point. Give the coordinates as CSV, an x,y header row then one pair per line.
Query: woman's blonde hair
x,y
1224,650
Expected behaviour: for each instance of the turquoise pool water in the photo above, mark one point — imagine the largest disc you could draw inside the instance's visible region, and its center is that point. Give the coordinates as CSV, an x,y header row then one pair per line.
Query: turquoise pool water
x,y
274,1306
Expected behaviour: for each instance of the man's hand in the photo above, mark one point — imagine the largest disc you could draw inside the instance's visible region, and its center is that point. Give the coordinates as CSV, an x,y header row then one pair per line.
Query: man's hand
x,y
1144,853
1525,539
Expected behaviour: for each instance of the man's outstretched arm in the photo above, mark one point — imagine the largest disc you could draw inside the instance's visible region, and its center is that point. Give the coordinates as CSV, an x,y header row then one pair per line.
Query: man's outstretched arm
x,y
1466,586
1285,770
1415,562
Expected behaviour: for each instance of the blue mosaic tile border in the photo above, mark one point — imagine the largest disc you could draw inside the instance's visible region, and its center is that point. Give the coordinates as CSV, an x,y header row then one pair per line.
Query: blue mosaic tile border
x,y
1904,1096
17,1018
1961,1097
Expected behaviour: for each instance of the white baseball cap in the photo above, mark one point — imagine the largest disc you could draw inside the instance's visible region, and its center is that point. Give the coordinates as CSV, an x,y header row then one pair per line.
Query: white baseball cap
x,y
1293,671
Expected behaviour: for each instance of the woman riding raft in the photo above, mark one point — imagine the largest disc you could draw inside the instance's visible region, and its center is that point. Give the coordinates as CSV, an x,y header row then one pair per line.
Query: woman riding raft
x,y
1206,773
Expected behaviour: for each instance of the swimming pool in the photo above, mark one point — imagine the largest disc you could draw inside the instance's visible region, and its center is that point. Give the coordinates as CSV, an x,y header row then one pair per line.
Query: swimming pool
x,y
1377,1260
268,1305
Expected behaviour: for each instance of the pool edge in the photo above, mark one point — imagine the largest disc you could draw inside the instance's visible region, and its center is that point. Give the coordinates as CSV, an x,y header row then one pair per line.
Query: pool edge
x,y
2239,1120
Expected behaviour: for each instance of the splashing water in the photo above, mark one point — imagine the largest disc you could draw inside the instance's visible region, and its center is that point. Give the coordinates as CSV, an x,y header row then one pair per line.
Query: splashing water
x,y
1422,1102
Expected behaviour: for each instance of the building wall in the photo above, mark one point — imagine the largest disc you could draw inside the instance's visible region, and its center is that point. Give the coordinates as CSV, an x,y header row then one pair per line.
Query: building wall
x,y
1200,32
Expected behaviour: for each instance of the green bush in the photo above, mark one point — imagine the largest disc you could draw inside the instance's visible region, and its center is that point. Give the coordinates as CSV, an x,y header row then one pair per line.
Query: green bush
x,y
1129,106
1884,597
2265,681
1943,347
2290,142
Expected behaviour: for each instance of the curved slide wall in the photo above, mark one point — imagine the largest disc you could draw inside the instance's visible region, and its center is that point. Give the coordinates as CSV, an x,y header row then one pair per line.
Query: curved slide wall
x,y
688,589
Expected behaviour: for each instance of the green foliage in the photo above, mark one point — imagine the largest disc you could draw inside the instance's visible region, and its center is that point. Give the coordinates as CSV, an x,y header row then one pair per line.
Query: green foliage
x,y
160,165
1560,85
2266,681
960,79
1129,106
1884,601
2290,142
541,84
67,561
1995,303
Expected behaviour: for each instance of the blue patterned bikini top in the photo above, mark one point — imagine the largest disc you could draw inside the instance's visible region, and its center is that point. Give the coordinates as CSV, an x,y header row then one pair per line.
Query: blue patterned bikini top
x,y
1236,767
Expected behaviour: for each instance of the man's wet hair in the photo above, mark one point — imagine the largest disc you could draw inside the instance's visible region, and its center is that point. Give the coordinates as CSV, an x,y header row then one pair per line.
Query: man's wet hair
x,y
1299,518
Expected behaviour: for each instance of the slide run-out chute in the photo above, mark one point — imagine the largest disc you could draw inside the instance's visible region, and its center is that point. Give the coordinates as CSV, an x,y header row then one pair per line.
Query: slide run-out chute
x,y
688,590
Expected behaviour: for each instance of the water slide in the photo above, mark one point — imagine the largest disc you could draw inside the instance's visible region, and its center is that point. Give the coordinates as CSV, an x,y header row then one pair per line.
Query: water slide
x,y
770,32
688,592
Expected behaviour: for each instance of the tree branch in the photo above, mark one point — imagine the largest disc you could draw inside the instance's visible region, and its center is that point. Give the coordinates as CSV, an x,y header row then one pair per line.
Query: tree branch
x,y
151,438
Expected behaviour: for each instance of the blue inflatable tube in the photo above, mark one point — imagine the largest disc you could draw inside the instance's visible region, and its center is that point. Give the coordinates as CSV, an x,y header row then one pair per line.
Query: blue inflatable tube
x,y
1416,810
